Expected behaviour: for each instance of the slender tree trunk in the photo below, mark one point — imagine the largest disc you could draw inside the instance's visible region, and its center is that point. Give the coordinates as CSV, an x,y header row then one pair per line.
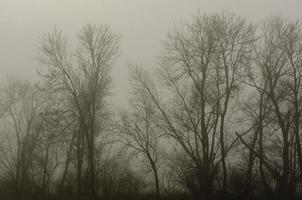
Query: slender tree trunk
x,y
267,188
223,156
92,170
91,164
45,169
283,185
23,167
250,166
79,160
67,163
156,181
283,188
297,136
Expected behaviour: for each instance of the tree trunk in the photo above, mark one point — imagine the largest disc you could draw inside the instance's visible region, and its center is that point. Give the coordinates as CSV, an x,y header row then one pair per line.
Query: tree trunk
x,y
156,181
223,162
67,163
91,164
45,170
250,166
79,161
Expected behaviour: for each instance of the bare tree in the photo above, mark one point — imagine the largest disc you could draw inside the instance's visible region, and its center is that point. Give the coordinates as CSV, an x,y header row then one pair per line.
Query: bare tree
x,y
234,49
52,125
139,130
256,109
84,80
277,77
200,68
23,103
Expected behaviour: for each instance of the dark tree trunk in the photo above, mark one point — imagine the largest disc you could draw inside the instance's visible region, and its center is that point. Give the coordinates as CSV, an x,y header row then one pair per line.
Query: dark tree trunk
x,y
67,164
45,170
250,166
223,155
91,164
156,184
79,160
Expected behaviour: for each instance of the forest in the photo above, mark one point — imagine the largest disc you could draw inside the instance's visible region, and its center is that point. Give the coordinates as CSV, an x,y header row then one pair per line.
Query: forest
x,y
219,116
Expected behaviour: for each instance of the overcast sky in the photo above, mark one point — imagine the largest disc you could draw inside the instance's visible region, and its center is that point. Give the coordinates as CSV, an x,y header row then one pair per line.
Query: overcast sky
x,y
143,24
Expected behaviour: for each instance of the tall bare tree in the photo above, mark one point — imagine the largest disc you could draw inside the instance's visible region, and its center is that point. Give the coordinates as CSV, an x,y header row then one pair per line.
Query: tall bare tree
x,y
139,130
83,78
236,38
200,68
277,77
22,106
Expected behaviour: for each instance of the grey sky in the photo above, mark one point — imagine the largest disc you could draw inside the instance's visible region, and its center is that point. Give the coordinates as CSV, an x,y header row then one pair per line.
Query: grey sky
x,y
143,23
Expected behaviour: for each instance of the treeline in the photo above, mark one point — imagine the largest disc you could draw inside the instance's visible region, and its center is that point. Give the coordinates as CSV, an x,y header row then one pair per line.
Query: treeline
x,y
220,117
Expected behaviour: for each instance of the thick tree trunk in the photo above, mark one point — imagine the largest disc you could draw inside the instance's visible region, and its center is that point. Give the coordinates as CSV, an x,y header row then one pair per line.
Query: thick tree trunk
x,y
205,183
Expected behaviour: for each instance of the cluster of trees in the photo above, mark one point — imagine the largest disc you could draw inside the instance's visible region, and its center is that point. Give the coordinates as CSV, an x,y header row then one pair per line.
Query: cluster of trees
x,y
220,115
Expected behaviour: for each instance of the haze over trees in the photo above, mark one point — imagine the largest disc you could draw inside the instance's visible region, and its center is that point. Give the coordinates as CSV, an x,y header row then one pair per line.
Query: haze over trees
x,y
218,118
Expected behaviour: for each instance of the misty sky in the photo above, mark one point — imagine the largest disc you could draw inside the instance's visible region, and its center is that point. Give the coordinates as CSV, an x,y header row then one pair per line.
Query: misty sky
x,y
143,24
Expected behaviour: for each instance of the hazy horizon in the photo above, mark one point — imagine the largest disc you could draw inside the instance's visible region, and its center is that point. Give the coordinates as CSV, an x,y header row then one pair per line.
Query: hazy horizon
x,y
143,25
